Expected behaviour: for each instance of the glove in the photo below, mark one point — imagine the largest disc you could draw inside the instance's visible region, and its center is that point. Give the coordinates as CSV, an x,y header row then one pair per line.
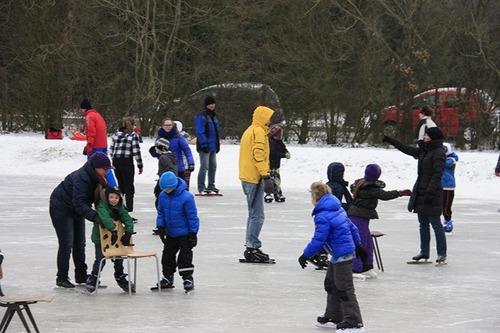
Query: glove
x,y
288,155
497,174
404,193
328,285
268,185
163,234
303,261
126,238
114,237
191,167
193,239
361,253
140,170
205,150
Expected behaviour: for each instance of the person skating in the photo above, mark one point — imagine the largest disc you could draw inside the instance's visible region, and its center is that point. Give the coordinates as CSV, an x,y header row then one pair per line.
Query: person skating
x,y
449,184
178,224
338,185
110,208
278,151
339,236
367,191
427,194
255,178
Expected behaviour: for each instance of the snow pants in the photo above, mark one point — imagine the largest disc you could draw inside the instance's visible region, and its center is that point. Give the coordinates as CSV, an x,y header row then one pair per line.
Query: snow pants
x,y
366,241
184,261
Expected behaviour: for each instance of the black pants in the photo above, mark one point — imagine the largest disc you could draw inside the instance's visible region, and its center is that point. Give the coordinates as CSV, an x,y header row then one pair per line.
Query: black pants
x,y
184,260
448,196
124,173
118,263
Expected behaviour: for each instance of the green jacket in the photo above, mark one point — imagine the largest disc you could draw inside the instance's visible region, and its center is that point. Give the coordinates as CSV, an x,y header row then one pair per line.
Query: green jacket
x,y
106,213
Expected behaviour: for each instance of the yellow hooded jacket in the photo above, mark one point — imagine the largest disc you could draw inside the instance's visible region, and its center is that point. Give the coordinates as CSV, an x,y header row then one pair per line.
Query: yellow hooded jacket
x,y
254,147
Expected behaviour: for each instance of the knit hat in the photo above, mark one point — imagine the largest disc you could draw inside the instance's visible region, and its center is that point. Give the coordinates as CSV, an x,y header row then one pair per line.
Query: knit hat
x,y
168,181
101,160
372,172
209,100
276,132
163,144
434,133
85,104
448,148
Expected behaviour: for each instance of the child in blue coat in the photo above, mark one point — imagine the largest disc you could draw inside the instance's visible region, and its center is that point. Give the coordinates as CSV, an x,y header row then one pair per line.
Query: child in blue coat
x,y
177,223
339,236
448,182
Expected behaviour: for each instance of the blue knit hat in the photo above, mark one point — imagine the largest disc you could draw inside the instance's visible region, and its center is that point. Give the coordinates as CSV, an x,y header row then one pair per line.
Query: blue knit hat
x,y
168,181
372,172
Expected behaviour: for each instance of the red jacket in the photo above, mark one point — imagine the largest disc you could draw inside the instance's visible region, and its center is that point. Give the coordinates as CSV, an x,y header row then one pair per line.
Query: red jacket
x,y
95,129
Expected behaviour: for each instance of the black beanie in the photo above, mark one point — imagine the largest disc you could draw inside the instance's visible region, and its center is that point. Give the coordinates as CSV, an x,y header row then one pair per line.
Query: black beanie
x,y
85,104
434,133
209,100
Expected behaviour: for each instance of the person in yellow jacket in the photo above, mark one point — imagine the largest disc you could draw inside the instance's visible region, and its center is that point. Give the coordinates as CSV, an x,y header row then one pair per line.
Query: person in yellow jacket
x,y
255,179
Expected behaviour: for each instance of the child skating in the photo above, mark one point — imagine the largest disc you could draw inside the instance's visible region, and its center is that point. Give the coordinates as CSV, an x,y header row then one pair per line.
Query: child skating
x,y
448,182
110,208
177,223
277,152
367,191
339,236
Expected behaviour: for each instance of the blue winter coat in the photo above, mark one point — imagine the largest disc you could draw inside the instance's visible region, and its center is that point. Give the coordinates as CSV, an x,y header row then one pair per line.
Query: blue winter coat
x,y
177,211
207,126
76,193
448,178
178,145
334,231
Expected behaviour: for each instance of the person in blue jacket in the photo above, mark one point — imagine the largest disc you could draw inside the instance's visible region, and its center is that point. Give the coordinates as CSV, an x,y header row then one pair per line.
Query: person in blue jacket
x,y
70,204
207,126
178,224
339,236
448,182
178,145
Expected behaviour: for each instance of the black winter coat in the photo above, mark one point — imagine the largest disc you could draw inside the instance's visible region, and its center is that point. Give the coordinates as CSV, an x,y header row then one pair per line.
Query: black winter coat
x,y
427,194
77,192
366,199
277,151
338,184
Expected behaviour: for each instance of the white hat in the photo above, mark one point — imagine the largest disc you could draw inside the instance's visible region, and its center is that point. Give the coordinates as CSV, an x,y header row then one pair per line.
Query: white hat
x,y
448,148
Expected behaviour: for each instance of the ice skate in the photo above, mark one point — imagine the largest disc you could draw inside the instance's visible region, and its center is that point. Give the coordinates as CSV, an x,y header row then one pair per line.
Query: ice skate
x,y
212,189
254,255
280,198
416,259
165,283
188,284
344,327
358,277
441,260
325,322
268,198
123,283
370,274
448,226
65,284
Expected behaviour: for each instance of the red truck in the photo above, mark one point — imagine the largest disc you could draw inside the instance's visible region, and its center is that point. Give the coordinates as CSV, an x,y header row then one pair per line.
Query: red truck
x,y
477,107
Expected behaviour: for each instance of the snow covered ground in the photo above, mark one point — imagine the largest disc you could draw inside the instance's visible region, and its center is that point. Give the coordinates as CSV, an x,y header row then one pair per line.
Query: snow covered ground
x,y
462,296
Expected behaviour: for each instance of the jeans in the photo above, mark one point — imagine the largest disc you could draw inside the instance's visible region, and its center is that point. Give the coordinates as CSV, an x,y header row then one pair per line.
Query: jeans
x,y
425,235
208,162
255,202
70,230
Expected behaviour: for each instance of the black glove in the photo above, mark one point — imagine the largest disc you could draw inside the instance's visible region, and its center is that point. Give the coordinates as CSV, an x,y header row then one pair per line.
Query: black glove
x,y
303,261
163,234
205,150
114,237
328,285
191,167
268,185
193,239
361,253
126,238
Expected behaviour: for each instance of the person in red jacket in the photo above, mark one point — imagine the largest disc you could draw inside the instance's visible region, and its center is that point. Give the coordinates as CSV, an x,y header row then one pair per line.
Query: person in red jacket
x,y
97,136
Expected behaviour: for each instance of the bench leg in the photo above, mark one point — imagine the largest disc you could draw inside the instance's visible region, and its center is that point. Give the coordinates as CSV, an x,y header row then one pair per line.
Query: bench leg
x,y
378,257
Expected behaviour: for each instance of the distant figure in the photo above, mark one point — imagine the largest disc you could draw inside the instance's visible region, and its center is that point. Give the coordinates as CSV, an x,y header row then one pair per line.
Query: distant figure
x,y
367,191
425,122
96,135
427,194
255,178
336,233
178,224
167,161
449,184
277,152
124,149
338,184
110,208
70,204
207,145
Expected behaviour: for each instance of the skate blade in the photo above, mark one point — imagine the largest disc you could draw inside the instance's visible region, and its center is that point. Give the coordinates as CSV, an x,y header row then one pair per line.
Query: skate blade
x,y
187,291
163,288
328,325
269,261
441,264
66,290
358,277
415,262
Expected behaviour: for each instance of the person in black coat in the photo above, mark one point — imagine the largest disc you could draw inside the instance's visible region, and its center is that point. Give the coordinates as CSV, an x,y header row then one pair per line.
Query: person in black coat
x,y
70,204
338,184
427,195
